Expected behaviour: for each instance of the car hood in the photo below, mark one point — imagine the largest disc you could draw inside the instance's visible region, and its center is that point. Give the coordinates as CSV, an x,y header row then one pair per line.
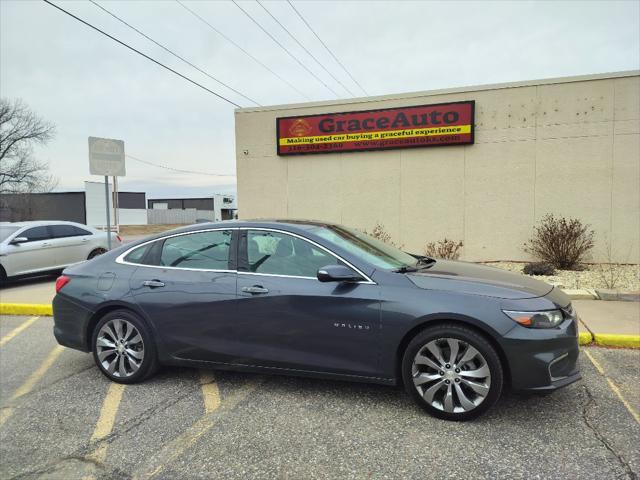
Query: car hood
x,y
474,279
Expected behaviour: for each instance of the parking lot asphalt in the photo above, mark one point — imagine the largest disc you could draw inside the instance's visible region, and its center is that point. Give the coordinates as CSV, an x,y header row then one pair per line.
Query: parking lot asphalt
x,y
61,419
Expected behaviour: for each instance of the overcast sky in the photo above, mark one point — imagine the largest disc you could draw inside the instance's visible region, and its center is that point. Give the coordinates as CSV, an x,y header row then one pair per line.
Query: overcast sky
x,y
90,86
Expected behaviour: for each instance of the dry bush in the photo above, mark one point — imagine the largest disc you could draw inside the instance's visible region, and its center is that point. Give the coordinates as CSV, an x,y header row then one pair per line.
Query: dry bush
x,y
539,268
609,273
564,243
447,249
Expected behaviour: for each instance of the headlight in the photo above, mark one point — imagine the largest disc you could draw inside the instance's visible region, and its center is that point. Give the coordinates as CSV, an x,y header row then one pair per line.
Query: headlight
x,y
546,319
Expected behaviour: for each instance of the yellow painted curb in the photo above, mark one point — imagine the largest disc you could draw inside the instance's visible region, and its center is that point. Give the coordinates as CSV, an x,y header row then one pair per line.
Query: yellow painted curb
x,y
585,338
25,309
611,340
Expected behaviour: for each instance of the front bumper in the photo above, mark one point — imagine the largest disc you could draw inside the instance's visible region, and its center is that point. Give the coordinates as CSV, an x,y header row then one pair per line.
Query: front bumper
x,y
542,360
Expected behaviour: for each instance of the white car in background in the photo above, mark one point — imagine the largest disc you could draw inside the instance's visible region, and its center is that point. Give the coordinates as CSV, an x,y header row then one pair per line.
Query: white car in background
x,y
33,248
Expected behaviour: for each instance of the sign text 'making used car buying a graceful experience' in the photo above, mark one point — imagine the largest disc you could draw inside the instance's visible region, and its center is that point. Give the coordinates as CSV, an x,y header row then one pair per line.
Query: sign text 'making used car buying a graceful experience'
x,y
405,127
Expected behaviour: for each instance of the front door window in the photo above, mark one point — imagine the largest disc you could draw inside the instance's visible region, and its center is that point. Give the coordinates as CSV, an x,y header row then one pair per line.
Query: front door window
x,y
281,254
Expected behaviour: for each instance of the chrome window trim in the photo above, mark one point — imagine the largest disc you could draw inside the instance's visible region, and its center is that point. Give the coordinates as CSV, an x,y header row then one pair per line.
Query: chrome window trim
x,y
120,258
241,272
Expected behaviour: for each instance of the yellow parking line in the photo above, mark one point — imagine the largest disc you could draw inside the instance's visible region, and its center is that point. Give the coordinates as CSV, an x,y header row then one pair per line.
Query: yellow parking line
x,y
210,392
613,386
17,330
105,423
170,452
36,376
31,382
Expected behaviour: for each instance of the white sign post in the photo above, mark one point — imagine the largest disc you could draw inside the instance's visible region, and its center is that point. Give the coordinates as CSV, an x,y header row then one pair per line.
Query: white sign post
x,y
106,157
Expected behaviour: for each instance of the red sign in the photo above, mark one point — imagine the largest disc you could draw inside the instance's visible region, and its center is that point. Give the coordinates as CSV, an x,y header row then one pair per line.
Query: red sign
x,y
406,127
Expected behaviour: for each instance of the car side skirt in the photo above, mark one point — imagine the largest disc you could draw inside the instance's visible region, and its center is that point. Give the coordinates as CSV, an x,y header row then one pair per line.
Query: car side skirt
x,y
237,367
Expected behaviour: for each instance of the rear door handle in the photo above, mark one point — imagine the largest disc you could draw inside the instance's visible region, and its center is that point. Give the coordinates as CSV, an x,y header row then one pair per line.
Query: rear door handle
x,y
153,283
255,289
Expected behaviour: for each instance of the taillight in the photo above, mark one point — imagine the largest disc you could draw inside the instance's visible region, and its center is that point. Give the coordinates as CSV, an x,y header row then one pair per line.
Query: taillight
x,y
119,238
61,281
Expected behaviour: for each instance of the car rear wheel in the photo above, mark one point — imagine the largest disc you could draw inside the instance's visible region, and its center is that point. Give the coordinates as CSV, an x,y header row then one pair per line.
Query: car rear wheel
x,y
123,348
452,372
96,252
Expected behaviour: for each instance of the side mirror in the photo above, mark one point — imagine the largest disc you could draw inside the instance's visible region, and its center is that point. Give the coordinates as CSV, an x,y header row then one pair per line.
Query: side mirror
x,y
337,273
18,240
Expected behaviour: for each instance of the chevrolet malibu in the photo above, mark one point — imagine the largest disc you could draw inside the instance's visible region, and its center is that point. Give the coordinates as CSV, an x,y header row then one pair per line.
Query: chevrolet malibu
x,y
318,300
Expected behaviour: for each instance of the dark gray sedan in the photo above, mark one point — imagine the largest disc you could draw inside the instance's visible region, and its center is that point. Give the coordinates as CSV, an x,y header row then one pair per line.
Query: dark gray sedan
x,y
321,300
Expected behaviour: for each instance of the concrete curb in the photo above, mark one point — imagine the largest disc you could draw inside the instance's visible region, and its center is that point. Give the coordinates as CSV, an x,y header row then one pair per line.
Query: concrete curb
x,y
585,338
616,295
599,294
581,294
612,340
26,309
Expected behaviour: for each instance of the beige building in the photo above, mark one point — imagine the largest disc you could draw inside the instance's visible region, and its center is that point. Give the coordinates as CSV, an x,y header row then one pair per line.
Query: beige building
x,y
568,146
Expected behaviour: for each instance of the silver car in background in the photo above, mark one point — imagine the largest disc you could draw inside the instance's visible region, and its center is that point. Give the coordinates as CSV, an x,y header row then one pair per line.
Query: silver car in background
x,y
33,248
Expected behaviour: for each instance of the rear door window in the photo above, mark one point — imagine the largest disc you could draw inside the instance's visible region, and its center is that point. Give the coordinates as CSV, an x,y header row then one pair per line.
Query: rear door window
x,y
36,234
199,250
62,231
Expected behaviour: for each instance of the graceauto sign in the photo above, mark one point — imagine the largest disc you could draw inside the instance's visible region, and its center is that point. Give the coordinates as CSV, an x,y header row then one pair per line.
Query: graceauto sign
x,y
406,127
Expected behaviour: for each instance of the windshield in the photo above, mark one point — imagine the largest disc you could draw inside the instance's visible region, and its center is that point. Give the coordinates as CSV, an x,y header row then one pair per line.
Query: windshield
x,y
367,248
6,232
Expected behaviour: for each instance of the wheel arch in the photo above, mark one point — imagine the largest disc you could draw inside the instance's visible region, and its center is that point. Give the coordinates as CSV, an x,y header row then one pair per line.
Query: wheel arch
x,y
94,250
438,320
111,307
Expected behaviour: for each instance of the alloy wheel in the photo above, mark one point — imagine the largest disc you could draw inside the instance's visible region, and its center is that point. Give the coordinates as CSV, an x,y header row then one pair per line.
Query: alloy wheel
x,y
451,375
119,348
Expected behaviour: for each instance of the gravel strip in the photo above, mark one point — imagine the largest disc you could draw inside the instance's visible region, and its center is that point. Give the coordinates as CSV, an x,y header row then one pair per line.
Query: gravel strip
x,y
594,276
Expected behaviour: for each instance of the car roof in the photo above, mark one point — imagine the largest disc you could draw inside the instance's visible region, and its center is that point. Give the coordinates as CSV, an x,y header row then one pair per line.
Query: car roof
x,y
36,223
269,222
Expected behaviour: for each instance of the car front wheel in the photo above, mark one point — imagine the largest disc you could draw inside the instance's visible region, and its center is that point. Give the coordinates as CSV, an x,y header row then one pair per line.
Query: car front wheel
x,y
452,372
123,347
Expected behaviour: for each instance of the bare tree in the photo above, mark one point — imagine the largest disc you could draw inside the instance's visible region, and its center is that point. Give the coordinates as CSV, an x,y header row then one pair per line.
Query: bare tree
x,y
20,130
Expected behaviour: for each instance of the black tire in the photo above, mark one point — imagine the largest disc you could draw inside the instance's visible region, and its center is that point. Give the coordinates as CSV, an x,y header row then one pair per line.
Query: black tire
x,y
3,277
149,364
96,252
468,337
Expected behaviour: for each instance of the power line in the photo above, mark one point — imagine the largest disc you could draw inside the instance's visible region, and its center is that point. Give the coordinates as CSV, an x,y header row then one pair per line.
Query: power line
x,y
285,48
240,48
179,170
325,46
172,53
142,54
304,48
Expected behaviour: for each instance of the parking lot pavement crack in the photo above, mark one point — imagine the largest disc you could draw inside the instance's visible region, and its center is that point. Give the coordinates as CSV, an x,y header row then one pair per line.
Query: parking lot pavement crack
x,y
82,454
586,407
52,467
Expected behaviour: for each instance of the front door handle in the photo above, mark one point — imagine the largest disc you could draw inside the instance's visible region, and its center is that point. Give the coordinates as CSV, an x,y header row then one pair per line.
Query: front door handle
x,y
255,289
153,283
